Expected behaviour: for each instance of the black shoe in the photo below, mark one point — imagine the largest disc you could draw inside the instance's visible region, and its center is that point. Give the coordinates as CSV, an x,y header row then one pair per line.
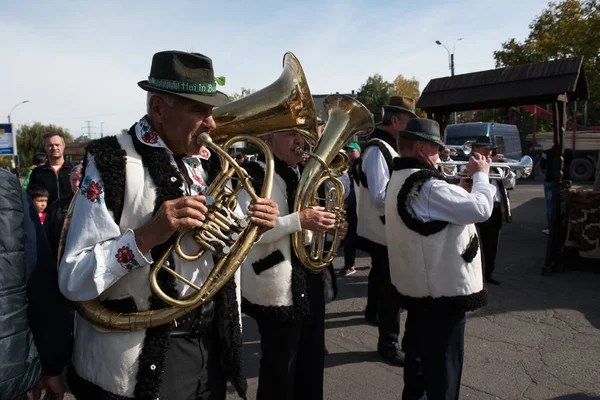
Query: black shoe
x,y
392,354
492,281
371,318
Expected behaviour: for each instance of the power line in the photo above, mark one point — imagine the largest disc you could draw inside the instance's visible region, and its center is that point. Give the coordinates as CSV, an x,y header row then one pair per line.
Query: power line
x,y
89,128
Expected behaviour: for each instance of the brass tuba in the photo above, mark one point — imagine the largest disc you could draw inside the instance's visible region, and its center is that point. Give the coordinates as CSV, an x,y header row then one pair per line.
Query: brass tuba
x,y
347,117
286,104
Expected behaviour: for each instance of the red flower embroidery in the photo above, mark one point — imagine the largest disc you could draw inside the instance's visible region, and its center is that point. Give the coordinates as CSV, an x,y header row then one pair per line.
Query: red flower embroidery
x,y
124,255
94,191
204,153
150,137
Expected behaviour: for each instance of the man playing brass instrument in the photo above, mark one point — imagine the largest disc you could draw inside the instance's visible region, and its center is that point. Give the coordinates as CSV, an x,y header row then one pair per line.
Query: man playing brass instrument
x,y
138,190
490,230
435,261
287,301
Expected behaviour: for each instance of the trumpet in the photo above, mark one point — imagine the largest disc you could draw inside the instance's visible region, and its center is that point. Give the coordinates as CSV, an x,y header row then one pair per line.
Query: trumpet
x,y
522,167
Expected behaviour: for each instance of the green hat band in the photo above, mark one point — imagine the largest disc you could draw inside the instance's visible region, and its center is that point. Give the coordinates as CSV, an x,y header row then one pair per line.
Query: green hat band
x,y
183,87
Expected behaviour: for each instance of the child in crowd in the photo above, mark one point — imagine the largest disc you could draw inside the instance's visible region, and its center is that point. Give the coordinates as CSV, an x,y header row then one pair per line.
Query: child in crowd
x,y
39,195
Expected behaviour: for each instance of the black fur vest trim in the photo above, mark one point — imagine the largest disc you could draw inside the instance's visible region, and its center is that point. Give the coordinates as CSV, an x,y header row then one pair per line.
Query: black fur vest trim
x,y
109,159
300,308
157,340
466,303
413,184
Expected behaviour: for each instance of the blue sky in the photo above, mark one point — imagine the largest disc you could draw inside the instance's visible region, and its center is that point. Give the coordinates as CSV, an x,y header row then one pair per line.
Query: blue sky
x,y
81,60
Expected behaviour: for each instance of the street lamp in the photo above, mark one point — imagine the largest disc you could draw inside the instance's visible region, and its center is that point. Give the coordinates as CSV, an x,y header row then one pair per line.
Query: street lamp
x,y
16,105
451,61
450,54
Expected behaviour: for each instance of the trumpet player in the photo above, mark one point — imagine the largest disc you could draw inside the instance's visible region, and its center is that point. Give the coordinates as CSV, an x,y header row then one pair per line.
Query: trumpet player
x,y
287,301
489,230
138,190
435,262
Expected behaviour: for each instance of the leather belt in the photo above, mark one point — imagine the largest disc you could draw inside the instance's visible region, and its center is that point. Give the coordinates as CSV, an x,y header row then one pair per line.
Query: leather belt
x,y
196,322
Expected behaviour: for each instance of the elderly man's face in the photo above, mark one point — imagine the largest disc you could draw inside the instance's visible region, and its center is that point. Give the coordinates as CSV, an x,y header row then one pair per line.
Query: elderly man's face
x,y
284,144
182,123
75,179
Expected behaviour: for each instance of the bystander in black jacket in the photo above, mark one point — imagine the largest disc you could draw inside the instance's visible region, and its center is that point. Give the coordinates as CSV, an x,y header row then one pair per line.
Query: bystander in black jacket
x,y
55,219
57,184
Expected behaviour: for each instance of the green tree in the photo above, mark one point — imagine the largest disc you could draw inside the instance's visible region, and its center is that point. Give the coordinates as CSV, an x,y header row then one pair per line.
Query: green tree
x,y
29,140
374,94
564,29
408,88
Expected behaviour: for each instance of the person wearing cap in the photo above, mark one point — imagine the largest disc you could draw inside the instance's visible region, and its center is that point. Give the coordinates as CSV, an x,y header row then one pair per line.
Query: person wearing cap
x,y
353,152
490,230
435,260
371,175
138,191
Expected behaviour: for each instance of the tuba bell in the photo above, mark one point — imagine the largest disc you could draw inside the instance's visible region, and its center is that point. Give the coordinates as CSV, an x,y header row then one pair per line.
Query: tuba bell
x,y
286,104
347,117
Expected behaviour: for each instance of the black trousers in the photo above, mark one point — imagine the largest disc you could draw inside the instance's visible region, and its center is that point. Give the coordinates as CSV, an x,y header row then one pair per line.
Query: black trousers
x,y
380,298
193,368
434,354
350,239
293,359
489,231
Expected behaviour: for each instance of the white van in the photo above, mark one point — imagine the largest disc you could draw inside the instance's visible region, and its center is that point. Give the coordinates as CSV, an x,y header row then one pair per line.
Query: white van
x,y
504,137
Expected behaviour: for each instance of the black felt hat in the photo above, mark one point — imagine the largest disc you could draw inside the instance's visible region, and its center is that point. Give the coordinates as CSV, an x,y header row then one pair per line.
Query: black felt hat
x,y
423,129
188,75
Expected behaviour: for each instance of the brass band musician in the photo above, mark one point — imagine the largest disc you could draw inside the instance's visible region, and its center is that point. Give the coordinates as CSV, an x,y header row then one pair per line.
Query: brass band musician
x,y
287,301
138,190
489,230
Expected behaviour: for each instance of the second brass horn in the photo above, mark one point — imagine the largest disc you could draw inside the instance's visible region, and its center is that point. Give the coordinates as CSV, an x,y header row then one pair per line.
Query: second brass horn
x,y
347,117
286,104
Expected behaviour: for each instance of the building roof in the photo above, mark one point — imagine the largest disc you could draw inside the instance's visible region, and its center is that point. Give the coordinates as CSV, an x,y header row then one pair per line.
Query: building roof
x,y
539,83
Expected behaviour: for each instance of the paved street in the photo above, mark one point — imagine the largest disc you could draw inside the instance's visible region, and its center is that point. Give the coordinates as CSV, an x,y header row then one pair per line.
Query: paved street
x,y
539,338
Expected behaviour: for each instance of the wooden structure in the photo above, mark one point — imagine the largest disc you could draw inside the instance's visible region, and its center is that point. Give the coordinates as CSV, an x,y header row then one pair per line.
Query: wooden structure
x,y
554,82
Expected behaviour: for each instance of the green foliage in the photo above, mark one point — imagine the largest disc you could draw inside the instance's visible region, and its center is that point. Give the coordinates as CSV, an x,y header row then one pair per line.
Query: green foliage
x,y
564,29
374,94
29,140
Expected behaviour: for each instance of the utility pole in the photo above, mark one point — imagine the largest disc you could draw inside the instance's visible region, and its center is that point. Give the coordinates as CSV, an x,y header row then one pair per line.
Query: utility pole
x,y
89,128
101,131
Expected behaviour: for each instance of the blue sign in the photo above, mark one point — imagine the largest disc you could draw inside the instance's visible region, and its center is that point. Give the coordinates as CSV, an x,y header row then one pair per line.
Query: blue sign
x,y
8,142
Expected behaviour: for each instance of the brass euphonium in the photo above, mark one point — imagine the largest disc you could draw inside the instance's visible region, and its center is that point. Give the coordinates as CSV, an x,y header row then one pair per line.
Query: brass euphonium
x,y
347,117
286,104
